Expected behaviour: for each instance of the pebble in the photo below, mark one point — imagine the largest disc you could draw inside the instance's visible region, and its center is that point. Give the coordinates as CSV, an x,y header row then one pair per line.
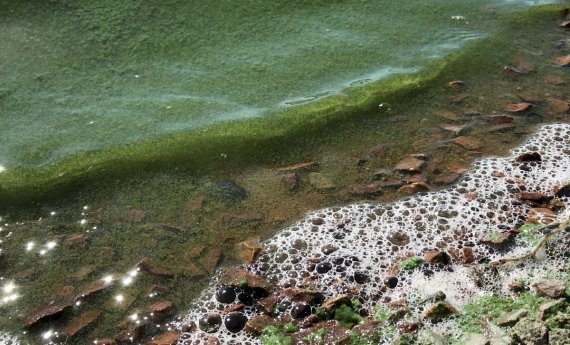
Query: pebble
x,y
410,164
549,288
45,313
468,143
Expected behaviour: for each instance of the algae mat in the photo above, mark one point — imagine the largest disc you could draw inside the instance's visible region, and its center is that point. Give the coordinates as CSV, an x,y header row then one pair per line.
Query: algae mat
x,y
78,78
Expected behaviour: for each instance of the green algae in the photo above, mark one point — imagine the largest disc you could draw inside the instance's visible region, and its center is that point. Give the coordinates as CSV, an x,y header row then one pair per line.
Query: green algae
x,y
273,335
347,316
492,307
259,140
410,264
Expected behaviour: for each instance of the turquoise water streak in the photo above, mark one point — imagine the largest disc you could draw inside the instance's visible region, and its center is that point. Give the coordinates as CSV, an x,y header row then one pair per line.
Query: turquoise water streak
x,y
79,76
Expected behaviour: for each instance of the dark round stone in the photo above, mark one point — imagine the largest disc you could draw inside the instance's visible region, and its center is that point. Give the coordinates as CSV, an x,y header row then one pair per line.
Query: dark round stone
x,y
300,310
226,294
235,322
245,298
210,323
391,282
324,267
361,277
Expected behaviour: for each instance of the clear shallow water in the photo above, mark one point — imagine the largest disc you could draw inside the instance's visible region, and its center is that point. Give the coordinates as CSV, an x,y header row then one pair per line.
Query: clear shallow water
x,y
78,76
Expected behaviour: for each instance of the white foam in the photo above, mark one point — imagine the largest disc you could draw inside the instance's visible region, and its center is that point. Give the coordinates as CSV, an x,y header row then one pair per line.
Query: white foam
x,y
486,199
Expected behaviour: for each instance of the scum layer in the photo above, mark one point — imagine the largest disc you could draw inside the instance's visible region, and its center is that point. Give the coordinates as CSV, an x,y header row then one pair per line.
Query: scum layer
x,y
370,239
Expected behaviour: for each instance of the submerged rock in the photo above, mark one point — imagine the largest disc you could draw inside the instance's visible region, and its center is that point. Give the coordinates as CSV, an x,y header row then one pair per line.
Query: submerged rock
x,y
79,323
45,313
410,164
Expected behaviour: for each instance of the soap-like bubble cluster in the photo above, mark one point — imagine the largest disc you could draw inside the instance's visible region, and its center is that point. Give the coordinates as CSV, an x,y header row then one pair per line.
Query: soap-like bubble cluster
x,y
360,250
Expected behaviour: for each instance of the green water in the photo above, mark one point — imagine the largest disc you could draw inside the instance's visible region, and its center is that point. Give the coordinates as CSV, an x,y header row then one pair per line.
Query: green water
x,y
83,83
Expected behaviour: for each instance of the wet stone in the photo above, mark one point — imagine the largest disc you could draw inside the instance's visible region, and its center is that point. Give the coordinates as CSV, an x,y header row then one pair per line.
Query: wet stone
x,y
334,302
93,289
497,119
291,181
410,164
368,329
549,288
45,313
160,309
439,310
237,277
169,338
468,143
548,308
534,196
105,341
518,107
79,323
436,256
381,174
335,333
298,168
511,318
416,178
446,179
76,240
210,260
557,105
531,332
496,238
267,304
529,157
210,323
257,323
145,266
300,295
248,250
413,188
456,129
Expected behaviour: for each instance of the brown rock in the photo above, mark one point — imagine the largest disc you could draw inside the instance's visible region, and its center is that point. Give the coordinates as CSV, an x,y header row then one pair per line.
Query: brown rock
x,y
565,24
145,266
456,129
368,190
550,288
76,240
236,219
518,107
416,178
558,106
257,323
530,97
65,293
161,307
446,179
298,168
267,304
496,238
84,272
529,157
496,119
291,181
368,329
169,338
562,61
468,256
105,341
456,84
45,313
410,164
94,288
414,188
390,183
534,196
408,327
81,322
436,256
511,318
468,143
300,295
238,277
233,308
247,250
500,127
210,260
334,302
439,310
335,333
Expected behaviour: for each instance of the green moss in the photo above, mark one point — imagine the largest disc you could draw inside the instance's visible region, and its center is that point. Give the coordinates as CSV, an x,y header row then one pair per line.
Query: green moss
x,y
356,339
492,307
272,335
410,264
317,337
347,316
382,314
529,233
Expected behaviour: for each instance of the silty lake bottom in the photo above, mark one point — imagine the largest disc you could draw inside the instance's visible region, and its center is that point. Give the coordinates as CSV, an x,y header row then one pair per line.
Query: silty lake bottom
x,y
84,241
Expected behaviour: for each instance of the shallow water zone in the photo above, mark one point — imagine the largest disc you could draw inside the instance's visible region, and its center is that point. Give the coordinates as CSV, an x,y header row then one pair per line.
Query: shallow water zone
x,y
186,214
